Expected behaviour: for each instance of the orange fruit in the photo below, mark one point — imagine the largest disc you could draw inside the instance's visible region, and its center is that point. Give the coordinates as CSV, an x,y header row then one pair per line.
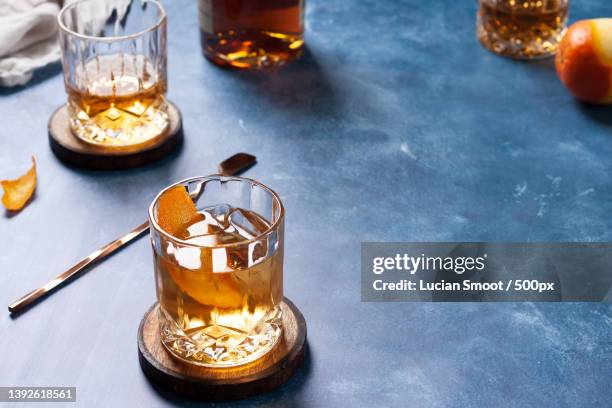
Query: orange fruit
x,y
584,60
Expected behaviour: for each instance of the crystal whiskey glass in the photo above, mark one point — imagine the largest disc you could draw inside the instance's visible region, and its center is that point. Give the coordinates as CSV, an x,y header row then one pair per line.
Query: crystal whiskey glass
x,y
218,254
114,60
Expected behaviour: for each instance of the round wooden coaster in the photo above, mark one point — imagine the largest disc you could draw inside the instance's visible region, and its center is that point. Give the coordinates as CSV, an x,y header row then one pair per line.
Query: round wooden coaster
x,y
71,150
220,384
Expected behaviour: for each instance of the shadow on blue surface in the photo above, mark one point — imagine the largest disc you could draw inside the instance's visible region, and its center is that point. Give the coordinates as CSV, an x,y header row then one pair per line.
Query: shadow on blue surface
x,y
599,113
545,63
40,75
288,393
302,87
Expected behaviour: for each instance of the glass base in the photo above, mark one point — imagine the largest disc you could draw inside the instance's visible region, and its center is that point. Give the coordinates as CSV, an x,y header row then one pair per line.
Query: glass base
x,y
511,31
117,127
251,49
517,49
220,346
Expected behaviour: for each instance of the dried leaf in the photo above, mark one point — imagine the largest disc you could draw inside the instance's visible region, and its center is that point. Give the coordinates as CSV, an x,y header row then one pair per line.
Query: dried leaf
x,y
17,192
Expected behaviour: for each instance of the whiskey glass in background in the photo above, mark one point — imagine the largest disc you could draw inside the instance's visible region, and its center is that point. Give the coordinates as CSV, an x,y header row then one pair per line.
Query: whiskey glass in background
x,y
251,34
219,275
522,29
114,60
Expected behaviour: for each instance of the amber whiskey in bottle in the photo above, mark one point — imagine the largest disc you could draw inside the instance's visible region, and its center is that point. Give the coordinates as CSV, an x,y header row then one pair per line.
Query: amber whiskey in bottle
x,y
251,34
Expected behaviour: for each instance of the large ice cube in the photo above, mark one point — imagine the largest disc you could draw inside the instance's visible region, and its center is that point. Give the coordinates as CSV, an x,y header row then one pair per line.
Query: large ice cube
x,y
247,223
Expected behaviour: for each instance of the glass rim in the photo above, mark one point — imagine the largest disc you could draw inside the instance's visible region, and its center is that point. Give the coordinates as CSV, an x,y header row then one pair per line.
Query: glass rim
x,y
153,222
159,23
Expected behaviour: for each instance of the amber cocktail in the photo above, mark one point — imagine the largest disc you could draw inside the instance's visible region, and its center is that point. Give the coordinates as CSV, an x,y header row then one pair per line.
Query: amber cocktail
x,y
114,59
218,252
523,29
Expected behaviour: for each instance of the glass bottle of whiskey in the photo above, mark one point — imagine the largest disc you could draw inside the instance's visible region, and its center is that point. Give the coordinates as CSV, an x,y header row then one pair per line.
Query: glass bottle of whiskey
x,y
251,34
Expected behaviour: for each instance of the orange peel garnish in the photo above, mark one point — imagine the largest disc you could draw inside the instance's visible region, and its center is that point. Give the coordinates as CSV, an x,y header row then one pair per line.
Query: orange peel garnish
x,y
176,210
17,192
207,288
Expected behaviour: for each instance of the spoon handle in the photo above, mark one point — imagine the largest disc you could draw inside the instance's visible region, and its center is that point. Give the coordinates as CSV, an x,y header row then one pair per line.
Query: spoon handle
x,y
231,166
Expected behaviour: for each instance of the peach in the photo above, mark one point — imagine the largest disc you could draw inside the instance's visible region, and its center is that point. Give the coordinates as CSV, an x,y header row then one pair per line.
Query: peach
x,y
584,60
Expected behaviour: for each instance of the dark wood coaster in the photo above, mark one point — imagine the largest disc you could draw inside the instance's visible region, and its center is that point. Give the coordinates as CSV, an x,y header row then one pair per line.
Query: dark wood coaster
x,y
71,150
220,384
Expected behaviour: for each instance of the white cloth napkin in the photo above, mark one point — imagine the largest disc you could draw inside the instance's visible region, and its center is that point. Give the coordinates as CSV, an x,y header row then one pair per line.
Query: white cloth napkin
x,y
28,36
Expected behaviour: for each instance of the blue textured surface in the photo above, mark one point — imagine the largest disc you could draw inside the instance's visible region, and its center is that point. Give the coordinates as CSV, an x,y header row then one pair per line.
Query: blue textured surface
x,y
395,126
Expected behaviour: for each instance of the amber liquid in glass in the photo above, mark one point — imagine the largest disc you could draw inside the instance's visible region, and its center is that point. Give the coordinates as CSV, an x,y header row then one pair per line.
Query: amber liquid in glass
x,y
117,101
522,29
225,300
251,33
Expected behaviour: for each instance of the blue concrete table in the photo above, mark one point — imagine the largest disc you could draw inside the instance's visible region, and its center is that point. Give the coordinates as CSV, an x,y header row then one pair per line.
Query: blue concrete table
x,y
395,126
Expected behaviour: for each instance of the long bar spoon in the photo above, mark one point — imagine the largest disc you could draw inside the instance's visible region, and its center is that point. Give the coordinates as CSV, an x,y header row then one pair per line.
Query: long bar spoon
x,y
231,166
